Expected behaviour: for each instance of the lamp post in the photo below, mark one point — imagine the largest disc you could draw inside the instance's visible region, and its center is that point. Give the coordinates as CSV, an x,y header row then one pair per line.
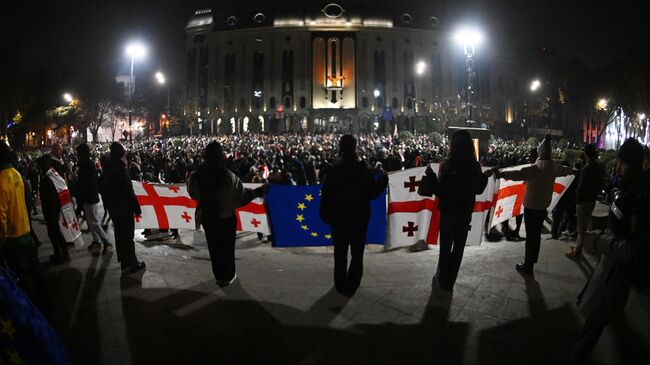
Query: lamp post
x,y
469,38
162,80
133,50
420,68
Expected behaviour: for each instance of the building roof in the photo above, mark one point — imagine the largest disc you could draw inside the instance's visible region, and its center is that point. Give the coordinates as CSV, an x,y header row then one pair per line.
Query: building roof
x,y
234,15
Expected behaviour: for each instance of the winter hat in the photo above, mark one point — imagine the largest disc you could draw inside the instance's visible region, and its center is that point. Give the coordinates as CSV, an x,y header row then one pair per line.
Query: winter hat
x,y
544,148
631,152
83,151
117,150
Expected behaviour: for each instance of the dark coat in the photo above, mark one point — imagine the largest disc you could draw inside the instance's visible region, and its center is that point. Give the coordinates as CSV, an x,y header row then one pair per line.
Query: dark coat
x,y
49,201
348,187
605,295
88,186
457,187
120,198
590,182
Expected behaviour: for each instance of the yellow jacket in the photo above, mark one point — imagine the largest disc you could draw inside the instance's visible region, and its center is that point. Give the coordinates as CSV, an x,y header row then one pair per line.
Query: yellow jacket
x,y
14,218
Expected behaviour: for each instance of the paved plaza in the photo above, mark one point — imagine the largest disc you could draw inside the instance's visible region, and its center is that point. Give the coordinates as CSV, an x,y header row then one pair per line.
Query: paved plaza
x,y
284,310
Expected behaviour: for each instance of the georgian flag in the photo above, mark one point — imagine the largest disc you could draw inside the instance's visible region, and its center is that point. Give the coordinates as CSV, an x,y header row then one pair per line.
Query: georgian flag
x,y
252,217
164,206
412,217
68,222
167,206
509,196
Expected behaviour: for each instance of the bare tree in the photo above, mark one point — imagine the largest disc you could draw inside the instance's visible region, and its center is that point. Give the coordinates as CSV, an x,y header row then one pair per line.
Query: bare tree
x,y
97,115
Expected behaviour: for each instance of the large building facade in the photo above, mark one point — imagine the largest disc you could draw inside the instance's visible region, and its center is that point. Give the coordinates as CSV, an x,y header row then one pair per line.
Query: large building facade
x,y
334,68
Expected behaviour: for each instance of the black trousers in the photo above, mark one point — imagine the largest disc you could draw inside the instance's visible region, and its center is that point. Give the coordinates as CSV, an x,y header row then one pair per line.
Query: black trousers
x,y
589,335
348,238
453,236
534,219
220,234
56,238
124,227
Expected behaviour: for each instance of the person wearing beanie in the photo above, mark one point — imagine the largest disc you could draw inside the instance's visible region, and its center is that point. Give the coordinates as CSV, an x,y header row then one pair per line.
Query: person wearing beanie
x,y
624,250
539,178
122,206
348,187
88,197
590,184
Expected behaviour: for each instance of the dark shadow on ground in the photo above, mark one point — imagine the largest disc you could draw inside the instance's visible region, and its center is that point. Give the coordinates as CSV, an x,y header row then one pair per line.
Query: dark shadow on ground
x,y
545,337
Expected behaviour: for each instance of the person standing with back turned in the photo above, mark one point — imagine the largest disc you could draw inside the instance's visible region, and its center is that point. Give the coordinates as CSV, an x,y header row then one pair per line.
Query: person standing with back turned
x,y
540,178
460,181
348,187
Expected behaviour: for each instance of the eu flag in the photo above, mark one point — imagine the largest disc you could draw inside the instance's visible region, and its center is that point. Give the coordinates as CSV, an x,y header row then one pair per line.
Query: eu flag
x,y
25,335
294,212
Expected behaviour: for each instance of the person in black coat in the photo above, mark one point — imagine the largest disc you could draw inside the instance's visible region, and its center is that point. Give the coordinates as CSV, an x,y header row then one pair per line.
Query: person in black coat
x,y
460,181
220,192
123,206
51,211
347,190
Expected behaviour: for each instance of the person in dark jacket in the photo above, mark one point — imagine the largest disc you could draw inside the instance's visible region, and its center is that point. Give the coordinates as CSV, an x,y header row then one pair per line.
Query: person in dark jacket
x,y
220,193
460,181
88,197
347,190
590,184
51,210
623,251
123,206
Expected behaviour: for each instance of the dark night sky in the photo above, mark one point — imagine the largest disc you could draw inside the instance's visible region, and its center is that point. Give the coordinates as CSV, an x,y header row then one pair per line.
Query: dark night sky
x,y
75,36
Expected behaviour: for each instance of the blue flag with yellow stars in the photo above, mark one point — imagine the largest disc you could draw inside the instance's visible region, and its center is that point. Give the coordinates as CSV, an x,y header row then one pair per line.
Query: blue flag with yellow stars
x,y
25,336
294,212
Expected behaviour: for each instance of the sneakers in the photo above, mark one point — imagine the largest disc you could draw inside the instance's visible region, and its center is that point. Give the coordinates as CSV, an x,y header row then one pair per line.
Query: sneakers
x,y
108,248
95,248
574,252
127,270
525,268
224,283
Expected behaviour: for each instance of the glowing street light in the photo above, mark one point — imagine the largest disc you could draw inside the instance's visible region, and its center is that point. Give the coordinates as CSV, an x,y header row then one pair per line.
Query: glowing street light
x,y
642,116
469,38
602,104
160,78
135,50
376,93
68,98
535,85
420,67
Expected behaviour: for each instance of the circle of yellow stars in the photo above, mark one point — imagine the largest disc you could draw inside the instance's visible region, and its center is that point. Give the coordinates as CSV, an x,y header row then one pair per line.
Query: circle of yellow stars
x,y
301,217
7,328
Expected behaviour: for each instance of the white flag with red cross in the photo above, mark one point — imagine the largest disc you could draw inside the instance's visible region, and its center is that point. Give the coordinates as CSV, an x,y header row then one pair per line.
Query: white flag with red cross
x,y
412,217
167,206
509,196
164,206
252,217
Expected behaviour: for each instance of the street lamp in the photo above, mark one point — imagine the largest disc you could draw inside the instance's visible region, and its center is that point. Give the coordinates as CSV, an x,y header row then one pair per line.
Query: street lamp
x,y
602,104
68,98
469,38
420,67
535,85
162,80
135,50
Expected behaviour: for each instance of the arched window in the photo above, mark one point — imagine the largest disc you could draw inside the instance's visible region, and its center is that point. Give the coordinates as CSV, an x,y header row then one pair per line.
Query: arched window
x,y
303,102
287,102
395,104
272,104
409,103
364,102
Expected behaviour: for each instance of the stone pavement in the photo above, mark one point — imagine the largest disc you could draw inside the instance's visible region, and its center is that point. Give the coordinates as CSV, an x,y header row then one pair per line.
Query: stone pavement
x,y
283,309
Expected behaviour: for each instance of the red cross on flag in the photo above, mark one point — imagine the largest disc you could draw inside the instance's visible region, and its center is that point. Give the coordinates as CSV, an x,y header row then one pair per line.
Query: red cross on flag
x,y
509,196
412,217
252,217
164,206
68,223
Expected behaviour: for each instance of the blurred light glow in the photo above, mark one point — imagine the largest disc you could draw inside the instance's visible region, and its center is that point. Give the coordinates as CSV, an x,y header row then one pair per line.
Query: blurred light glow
x,y
67,97
602,104
642,116
377,93
535,85
468,36
160,77
420,67
136,50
